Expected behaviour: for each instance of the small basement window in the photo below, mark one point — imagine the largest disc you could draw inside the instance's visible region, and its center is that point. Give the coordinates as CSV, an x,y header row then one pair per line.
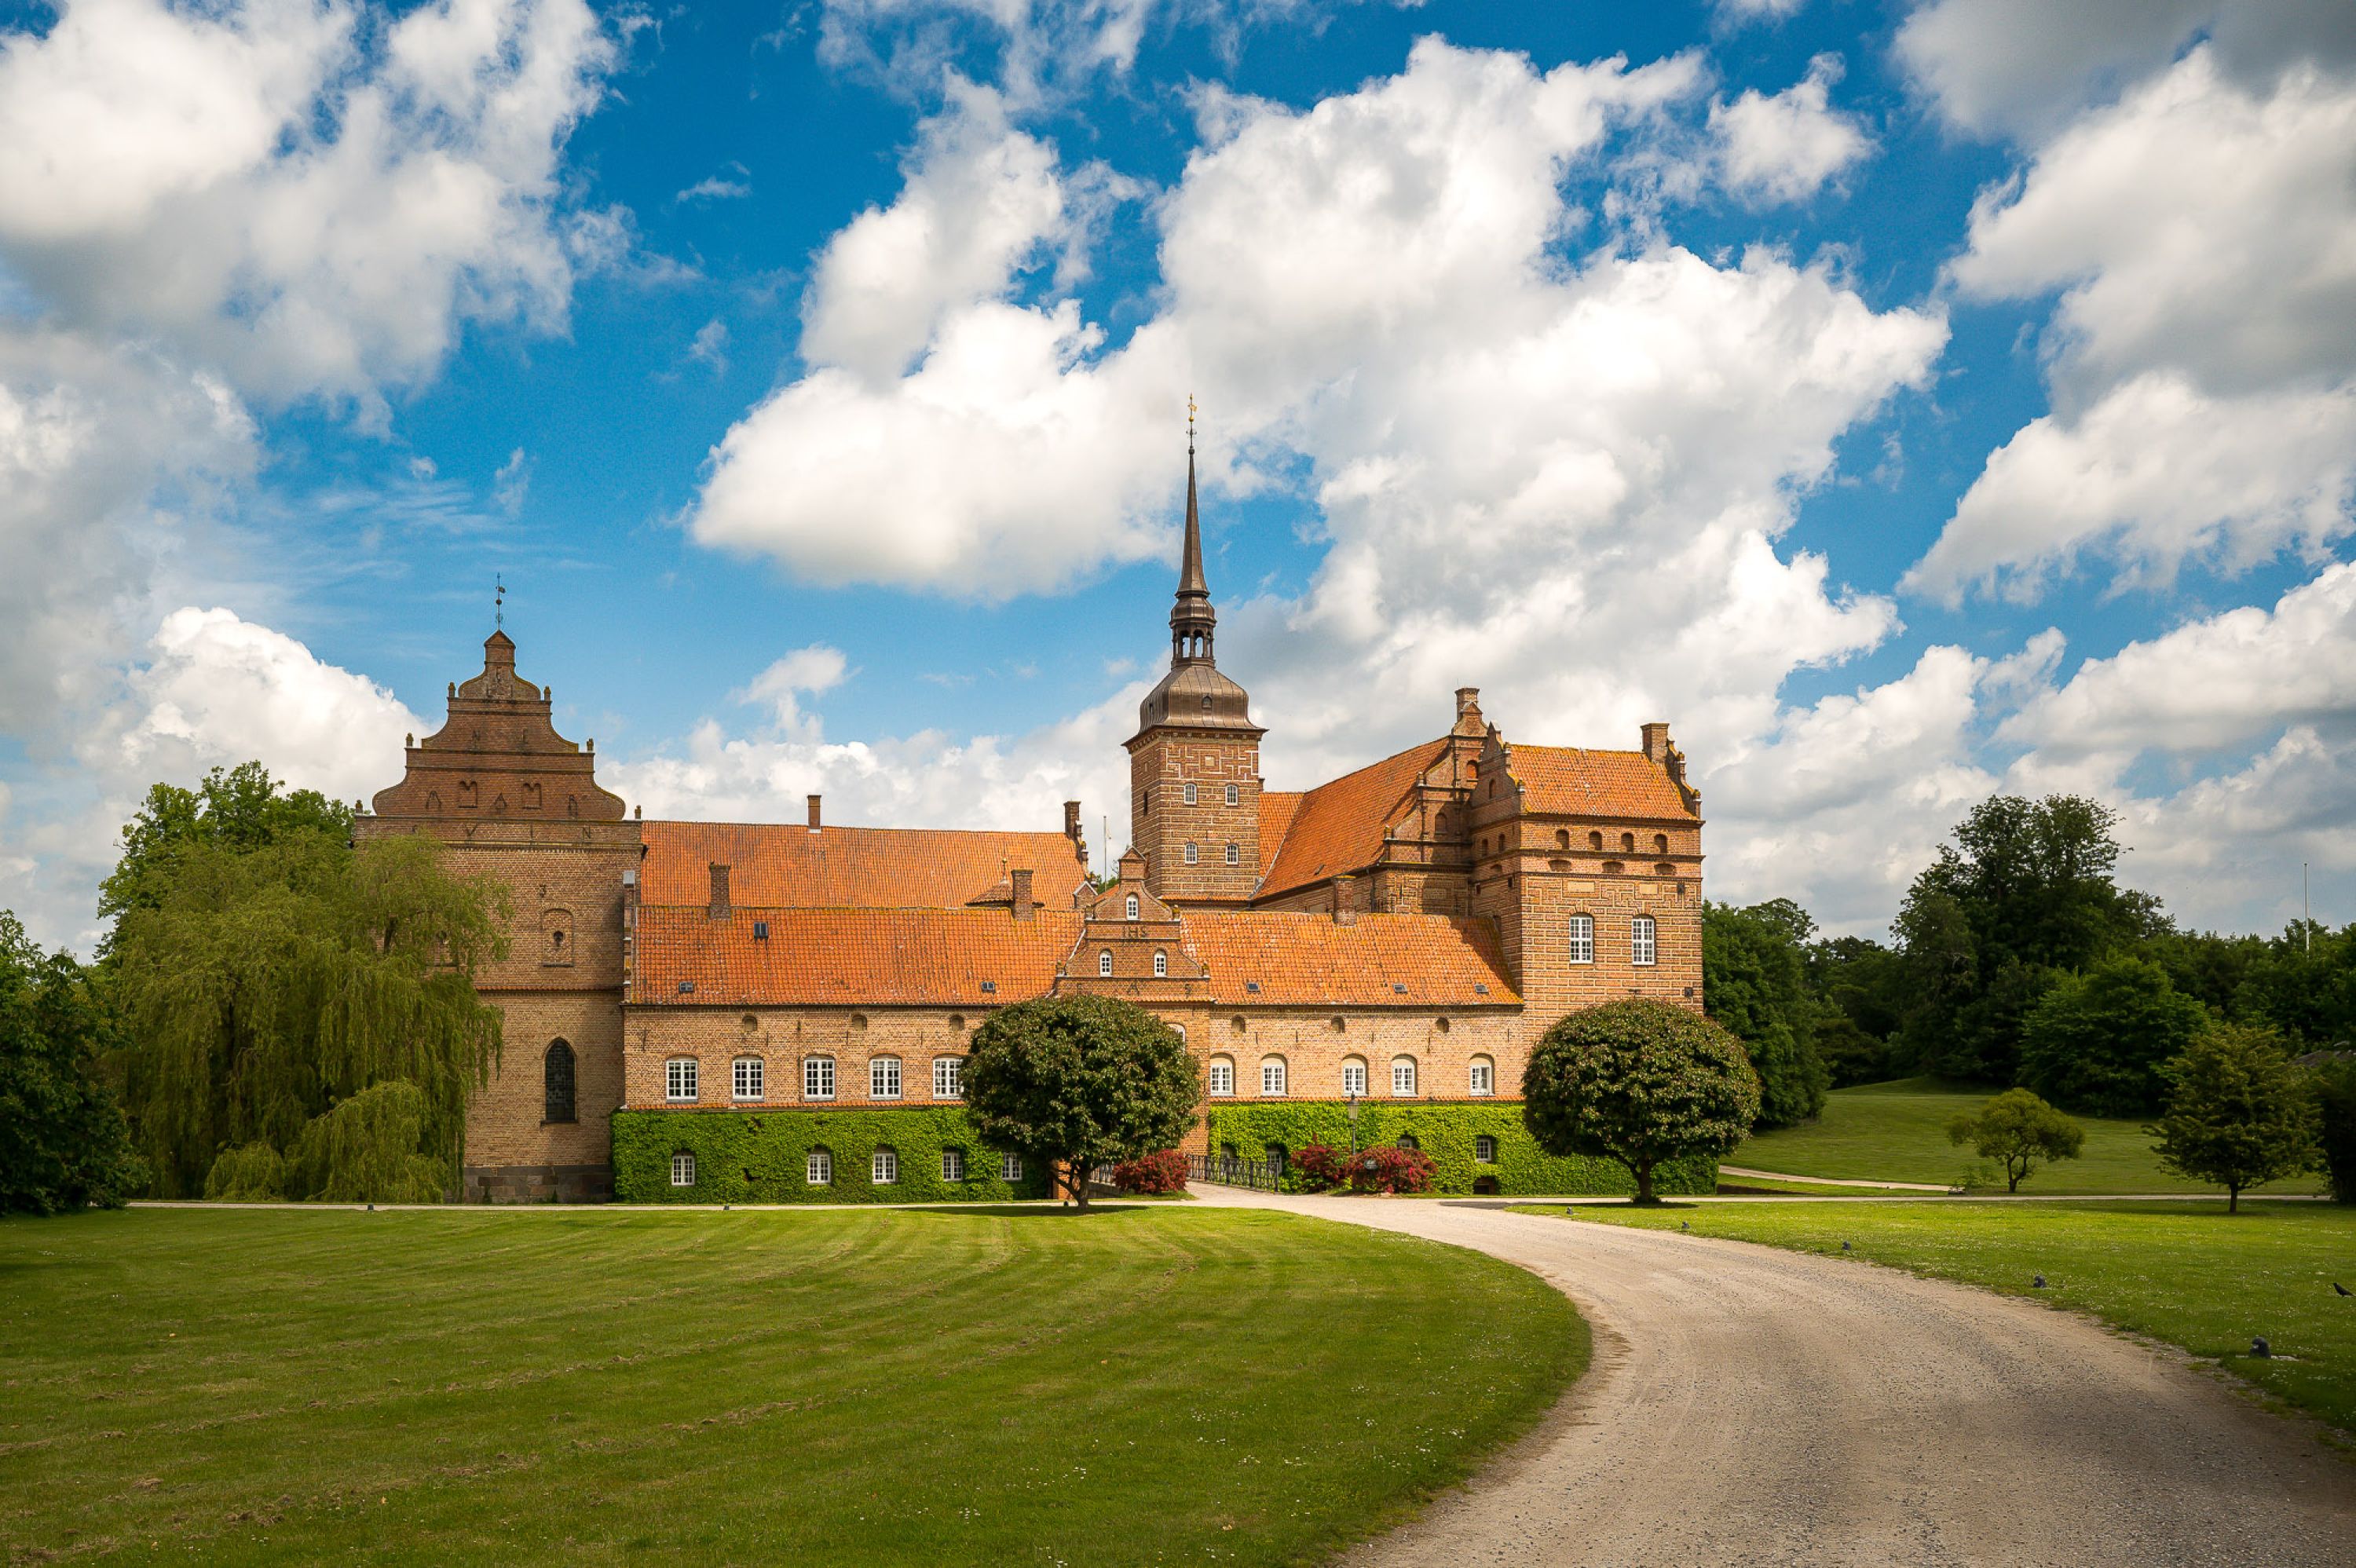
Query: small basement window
x,y
683,1169
885,1168
818,1169
1485,1150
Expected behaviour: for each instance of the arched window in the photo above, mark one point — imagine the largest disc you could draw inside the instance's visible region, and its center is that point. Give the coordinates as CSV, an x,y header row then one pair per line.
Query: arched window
x,y
1644,944
1233,795
884,1077
1354,1075
1562,838
1660,843
1627,843
1132,906
1595,842
1193,854
1409,1142
1104,964
1403,1075
1582,939
1190,792
1277,1156
556,1083
1235,855
1161,964
1223,1077
818,1077
818,1169
1272,1076
1483,1079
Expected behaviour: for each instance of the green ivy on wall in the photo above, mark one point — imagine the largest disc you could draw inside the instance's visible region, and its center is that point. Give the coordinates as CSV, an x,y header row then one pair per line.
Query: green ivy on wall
x,y
1446,1132
761,1156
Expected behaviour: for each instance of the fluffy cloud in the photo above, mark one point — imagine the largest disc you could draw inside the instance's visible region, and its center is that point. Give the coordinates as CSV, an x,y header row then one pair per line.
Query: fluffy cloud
x,y
2026,65
2153,475
312,197
2201,235
1789,146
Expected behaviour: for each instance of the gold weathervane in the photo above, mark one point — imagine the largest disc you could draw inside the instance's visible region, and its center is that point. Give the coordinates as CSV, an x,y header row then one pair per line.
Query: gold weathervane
x,y
1190,421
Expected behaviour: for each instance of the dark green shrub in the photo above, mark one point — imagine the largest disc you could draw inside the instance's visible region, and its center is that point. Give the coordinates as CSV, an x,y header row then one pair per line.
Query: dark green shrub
x,y
1641,1082
2335,1093
1450,1132
762,1157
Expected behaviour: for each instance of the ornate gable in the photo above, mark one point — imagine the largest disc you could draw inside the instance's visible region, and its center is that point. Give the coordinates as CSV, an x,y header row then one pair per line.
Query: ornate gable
x,y
498,755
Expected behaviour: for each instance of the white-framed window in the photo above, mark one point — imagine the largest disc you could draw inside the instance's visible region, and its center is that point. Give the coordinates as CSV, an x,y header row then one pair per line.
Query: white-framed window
x,y
1403,1075
818,1077
1272,1076
1132,906
818,1169
1193,854
748,1078
1484,1150
1582,939
1643,940
1161,964
1354,1077
948,1077
1484,1077
885,1168
952,1165
1104,964
1190,792
1235,795
1223,1077
678,1078
1009,1167
884,1077
683,1169
1235,854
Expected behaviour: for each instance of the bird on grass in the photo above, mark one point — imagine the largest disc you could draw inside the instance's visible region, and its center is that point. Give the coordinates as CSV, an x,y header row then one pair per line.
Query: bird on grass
x,y
2342,1288
2259,1347
1685,1225
1846,1248
2038,1283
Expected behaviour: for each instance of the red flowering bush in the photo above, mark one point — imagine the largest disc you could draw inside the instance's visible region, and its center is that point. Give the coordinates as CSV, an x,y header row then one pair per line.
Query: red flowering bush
x,y
1379,1170
1152,1173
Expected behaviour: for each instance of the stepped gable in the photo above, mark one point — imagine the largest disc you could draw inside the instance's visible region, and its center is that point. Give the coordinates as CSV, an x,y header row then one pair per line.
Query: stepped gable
x,y
846,957
498,755
1368,961
786,866
1571,781
1338,827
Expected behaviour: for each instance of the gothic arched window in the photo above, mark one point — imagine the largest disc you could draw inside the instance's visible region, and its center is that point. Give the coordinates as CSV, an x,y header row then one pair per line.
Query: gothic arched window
x,y
556,1079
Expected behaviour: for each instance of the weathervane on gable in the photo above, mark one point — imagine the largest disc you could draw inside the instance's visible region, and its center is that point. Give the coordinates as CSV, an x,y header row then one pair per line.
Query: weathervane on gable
x,y
1190,424
498,598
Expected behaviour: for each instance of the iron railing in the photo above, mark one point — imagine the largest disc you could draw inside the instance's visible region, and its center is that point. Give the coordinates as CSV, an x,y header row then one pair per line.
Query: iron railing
x,y
1233,1170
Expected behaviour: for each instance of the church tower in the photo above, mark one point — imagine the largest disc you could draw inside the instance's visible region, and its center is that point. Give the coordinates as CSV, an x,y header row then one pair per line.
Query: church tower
x,y
1194,764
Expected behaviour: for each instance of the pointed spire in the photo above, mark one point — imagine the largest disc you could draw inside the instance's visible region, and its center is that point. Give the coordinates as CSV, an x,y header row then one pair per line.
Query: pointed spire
x,y
1191,617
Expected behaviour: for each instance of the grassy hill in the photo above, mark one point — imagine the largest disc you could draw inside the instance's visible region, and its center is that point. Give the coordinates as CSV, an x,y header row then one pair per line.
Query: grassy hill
x,y
1898,1132
457,1386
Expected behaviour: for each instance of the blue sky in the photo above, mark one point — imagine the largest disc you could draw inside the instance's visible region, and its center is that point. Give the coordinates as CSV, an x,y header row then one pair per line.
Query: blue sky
x,y
1907,402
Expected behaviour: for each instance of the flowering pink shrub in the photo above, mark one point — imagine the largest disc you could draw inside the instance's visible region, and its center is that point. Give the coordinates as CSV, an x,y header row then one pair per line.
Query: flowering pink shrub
x,y
1378,1169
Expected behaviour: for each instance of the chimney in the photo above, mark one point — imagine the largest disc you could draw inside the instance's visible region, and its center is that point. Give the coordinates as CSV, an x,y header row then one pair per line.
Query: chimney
x,y
1072,820
1468,700
1345,912
1656,743
813,811
1021,880
719,910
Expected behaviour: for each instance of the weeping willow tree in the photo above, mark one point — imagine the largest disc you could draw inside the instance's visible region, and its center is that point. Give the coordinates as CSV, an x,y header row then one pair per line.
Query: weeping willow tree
x,y
271,989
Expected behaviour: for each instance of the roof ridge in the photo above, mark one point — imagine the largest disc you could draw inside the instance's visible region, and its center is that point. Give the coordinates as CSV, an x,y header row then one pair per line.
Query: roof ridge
x,y
1377,763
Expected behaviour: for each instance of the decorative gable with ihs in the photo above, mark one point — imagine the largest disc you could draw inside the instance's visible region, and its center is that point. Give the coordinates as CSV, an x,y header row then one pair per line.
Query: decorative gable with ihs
x,y
499,757
1144,939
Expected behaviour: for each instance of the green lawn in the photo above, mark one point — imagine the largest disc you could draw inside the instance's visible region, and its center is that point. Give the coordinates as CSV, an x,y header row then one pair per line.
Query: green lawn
x,y
2189,1274
1898,1132
1141,1385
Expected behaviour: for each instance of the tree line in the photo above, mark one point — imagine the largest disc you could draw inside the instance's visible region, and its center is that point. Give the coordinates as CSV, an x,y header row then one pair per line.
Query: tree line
x,y
2018,960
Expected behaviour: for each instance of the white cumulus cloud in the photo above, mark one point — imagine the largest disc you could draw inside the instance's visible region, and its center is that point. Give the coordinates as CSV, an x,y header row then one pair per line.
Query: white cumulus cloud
x,y
1787,146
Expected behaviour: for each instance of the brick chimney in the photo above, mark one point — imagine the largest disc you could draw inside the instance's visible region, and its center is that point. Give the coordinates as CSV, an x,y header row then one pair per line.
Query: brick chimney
x,y
813,811
1072,820
1656,743
719,910
1021,880
1345,912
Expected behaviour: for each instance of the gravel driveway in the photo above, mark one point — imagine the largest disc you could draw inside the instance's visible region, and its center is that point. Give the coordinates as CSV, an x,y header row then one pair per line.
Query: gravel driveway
x,y
1754,1406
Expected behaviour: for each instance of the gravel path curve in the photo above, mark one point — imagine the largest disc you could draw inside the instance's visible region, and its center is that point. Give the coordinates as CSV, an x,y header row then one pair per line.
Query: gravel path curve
x,y
1750,1406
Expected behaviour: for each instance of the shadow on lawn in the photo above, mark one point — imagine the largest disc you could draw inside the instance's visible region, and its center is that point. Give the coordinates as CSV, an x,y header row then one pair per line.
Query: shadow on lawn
x,y
1032,1211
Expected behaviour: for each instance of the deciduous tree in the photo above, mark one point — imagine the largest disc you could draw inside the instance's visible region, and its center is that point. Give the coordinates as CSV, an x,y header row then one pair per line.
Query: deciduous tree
x,y
1642,1083
1755,985
1080,1081
2020,1131
2096,1041
63,1143
2241,1113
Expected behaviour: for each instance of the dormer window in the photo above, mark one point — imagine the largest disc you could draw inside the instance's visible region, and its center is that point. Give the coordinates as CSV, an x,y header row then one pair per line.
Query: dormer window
x,y
1206,705
1132,906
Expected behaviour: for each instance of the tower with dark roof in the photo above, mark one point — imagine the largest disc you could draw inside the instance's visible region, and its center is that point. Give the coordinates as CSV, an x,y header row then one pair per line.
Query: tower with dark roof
x,y
1194,764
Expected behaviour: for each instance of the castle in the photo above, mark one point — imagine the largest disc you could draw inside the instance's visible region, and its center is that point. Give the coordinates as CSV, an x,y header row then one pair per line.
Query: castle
x,y
683,1000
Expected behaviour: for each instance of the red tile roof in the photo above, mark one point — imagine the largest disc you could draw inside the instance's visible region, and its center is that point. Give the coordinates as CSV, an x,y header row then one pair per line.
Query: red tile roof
x,y
848,957
1571,782
1276,807
1338,827
1378,960
778,865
